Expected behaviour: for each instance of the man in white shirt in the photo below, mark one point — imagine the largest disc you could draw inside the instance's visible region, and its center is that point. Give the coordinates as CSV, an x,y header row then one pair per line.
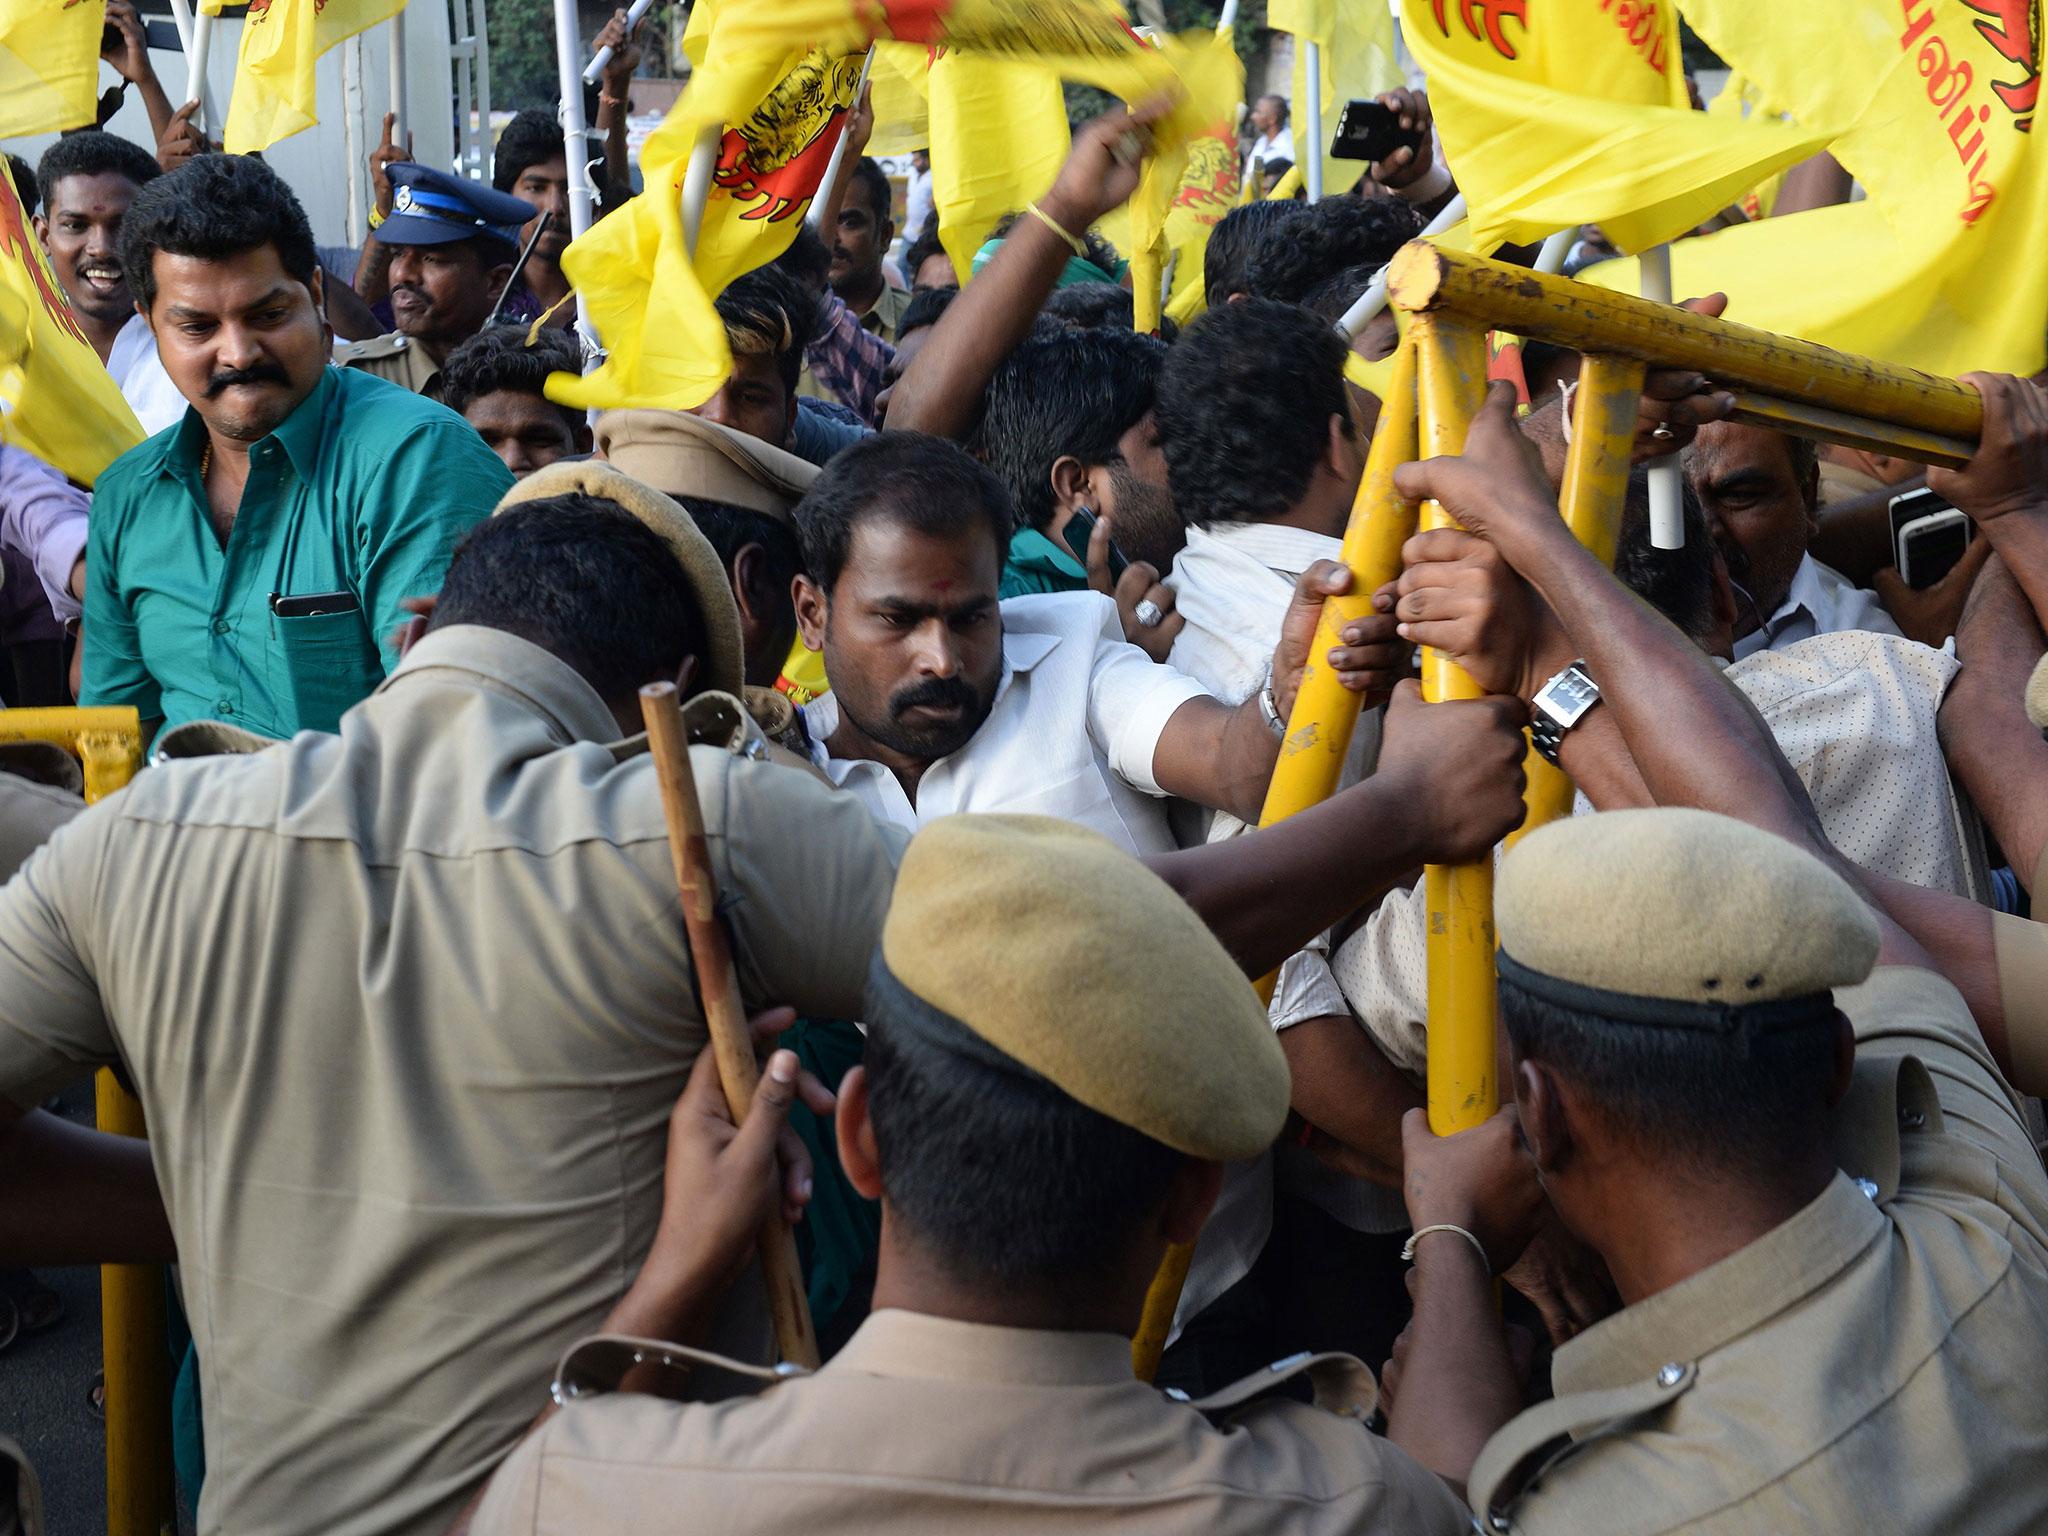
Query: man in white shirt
x,y
87,181
1761,491
1264,465
944,701
1275,139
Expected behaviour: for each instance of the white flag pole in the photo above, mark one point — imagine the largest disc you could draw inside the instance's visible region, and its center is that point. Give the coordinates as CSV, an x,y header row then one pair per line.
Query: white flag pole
x,y
836,166
1312,119
397,40
205,119
1667,492
603,57
575,132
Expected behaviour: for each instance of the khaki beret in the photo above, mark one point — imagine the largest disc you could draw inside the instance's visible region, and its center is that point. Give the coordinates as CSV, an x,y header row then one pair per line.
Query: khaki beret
x,y
2037,695
1680,906
684,455
725,668
1069,957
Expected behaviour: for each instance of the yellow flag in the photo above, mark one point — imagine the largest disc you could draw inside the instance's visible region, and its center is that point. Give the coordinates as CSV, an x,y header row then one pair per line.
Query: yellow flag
x,y
1356,41
901,97
1945,266
57,400
1192,181
999,136
778,115
282,40
1574,112
49,64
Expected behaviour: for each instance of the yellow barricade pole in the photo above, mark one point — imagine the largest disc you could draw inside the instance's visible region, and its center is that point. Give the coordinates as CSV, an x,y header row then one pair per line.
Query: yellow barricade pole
x,y
1595,487
133,1324
1463,1080
1319,727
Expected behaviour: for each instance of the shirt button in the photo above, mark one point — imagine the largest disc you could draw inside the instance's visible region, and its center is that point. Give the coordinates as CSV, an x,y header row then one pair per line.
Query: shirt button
x,y
1671,1375
223,708
1869,1189
220,626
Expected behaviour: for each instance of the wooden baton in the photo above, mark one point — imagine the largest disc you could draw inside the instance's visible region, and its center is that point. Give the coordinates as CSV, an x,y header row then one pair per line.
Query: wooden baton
x,y
731,1042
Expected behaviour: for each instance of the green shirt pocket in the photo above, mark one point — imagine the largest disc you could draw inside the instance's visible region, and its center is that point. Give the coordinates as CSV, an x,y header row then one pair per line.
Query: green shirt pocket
x,y
330,663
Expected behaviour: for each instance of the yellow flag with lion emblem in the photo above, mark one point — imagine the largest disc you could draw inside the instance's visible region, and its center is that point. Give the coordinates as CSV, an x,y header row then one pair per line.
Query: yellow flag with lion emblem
x,y
778,113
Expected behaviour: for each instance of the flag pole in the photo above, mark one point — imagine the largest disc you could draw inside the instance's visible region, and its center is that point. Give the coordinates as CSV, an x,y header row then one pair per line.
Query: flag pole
x,y
596,66
697,182
1312,172
397,40
576,133
195,72
1551,258
836,166
1667,494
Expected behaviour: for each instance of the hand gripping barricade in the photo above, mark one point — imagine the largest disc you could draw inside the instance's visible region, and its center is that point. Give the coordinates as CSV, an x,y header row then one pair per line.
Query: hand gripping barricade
x,y
108,744
1452,300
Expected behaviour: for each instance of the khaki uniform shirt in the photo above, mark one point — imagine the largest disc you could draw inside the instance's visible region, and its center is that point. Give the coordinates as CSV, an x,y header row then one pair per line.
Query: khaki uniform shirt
x,y
923,1426
408,1008
1876,1363
396,357
32,806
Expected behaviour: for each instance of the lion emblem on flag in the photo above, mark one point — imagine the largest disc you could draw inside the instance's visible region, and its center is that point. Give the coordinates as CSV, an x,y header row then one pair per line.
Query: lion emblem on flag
x,y
776,159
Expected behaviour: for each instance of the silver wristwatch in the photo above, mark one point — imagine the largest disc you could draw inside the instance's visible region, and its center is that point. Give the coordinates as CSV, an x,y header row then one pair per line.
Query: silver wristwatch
x,y
1559,705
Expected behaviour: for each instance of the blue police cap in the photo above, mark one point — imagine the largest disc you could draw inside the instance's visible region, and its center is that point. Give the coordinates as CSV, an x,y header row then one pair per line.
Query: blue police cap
x,y
431,207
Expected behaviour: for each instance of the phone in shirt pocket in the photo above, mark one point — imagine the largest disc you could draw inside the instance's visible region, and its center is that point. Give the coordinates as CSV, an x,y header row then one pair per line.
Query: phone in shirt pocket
x,y
330,659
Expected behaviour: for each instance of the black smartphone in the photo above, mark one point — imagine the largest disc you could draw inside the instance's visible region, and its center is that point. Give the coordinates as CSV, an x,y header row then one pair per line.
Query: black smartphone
x,y
1369,131
111,40
312,605
1080,533
1929,536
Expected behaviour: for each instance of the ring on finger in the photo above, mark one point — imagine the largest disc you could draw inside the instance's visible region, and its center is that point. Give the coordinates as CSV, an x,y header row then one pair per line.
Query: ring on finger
x,y
1127,149
1150,614
1662,432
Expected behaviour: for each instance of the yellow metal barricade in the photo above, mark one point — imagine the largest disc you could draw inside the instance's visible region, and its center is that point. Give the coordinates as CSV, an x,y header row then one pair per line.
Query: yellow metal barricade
x,y
108,743
1454,299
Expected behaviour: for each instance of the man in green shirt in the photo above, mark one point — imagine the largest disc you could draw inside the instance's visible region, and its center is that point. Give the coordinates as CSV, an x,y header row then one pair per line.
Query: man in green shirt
x,y
248,564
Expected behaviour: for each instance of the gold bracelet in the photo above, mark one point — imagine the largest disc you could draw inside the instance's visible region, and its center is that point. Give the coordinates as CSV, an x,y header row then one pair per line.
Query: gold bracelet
x,y
1074,242
1408,1248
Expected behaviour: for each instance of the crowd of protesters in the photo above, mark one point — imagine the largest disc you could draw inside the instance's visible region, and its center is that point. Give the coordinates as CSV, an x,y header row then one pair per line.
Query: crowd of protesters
x,y
387,938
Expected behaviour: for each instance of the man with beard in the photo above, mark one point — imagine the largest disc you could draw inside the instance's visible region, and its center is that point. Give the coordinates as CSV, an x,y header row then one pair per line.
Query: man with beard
x,y
453,247
944,700
87,181
1070,429
249,565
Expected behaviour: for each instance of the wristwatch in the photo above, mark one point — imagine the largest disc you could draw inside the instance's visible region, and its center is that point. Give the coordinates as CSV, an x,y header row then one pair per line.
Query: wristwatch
x,y
1559,705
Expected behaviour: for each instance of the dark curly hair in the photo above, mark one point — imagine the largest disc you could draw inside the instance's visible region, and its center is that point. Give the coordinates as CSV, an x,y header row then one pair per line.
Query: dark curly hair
x,y
1334,234
501,358
532,137
90,153
214,207
1231,244
1245,403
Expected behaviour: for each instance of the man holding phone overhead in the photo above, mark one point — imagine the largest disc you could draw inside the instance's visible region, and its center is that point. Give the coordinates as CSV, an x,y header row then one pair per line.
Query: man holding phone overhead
x,y
247,565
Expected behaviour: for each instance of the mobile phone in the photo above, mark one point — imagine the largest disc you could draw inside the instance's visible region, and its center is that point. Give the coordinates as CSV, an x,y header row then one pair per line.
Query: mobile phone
x,y
1369,131
111,40
1080,533
1928,537
312,605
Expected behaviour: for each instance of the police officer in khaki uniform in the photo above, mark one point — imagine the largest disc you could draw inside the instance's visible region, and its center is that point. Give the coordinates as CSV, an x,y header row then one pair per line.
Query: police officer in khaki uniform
x,y
1060,1059
742,494
1815,1191
454,244
1752,1094
408,1008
